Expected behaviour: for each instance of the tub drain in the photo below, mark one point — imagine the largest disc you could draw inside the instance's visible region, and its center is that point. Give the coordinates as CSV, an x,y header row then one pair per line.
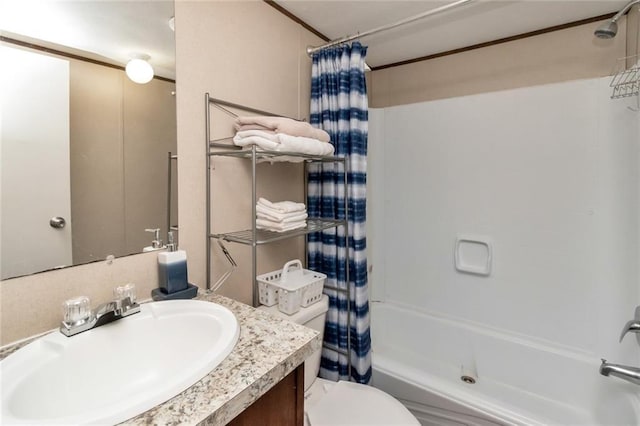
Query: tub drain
x,y
468,379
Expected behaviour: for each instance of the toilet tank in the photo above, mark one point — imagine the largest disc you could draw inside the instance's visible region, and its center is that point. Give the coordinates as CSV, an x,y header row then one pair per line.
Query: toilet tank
x,y
312,316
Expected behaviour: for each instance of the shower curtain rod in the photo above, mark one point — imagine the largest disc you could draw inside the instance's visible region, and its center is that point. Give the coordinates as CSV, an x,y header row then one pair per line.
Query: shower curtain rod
x,y
311,50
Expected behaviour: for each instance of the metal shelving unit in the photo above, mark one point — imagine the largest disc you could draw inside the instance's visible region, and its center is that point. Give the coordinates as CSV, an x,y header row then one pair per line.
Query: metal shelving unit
x,y
254,236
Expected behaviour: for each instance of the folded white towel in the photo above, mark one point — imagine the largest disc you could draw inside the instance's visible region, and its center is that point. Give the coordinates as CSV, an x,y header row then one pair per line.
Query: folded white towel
x,y
263,139
270,214
304,145
277,211
279,227
282,142
282,206
283,125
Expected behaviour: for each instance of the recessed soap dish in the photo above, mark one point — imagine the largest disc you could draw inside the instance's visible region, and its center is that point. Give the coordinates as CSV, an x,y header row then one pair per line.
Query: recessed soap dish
x,y
473,255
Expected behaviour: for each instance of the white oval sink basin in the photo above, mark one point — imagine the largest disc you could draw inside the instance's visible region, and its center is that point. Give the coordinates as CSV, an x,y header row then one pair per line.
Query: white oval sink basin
x,y
119,370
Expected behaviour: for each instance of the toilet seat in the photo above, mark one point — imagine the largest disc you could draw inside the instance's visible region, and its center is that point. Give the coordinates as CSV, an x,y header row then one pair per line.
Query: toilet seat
x,y
347,403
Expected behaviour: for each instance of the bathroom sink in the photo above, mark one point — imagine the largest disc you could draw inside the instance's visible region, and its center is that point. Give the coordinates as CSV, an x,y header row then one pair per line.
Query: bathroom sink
x,y
119,370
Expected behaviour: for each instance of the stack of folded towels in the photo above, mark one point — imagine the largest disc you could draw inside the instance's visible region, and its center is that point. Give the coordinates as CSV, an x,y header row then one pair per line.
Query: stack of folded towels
x,y
281,216
281,134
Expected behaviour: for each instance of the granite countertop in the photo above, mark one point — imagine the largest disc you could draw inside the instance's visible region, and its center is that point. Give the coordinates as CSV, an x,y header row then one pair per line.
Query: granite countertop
x,y
268,349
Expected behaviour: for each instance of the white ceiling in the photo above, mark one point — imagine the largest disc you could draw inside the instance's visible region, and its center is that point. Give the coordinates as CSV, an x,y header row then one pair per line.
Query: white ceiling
x,y
114,30
110,31
475,22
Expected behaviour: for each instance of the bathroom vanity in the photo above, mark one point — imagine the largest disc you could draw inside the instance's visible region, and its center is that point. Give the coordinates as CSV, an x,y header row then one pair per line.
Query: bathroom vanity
x,y
259,382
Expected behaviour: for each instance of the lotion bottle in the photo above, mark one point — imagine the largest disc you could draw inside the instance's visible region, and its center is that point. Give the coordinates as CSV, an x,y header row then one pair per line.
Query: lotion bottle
x,y
172,268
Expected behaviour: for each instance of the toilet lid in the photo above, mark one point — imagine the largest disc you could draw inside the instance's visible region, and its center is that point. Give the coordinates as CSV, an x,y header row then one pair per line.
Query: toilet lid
x,y
348,403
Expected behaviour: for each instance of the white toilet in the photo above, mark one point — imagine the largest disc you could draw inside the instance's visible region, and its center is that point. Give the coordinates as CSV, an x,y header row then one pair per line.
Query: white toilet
x,y
328,403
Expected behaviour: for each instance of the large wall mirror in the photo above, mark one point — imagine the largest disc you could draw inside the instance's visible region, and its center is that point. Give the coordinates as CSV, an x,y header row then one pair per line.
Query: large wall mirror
x,y
88,156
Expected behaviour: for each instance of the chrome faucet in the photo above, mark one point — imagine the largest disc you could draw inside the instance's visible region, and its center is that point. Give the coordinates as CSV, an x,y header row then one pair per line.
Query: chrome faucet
x,y
630,374
79,317
624,372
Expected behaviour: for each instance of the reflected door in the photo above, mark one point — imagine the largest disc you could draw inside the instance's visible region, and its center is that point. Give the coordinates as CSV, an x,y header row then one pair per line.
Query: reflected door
x,y
34,158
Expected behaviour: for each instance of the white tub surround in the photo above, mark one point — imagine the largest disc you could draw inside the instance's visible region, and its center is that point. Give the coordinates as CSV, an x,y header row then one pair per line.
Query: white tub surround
x,y
420,359
505,243
267,351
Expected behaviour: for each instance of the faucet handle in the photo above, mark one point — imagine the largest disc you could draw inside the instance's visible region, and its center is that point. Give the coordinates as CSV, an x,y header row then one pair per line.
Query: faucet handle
x,y
632,325
124,291
76,310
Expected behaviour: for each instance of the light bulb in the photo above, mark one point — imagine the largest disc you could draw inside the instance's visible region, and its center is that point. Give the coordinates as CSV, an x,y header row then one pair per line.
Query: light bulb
x,y
139,71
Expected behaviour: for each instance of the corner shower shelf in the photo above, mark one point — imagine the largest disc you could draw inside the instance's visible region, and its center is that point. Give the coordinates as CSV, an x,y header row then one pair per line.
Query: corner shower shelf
x,y
626,78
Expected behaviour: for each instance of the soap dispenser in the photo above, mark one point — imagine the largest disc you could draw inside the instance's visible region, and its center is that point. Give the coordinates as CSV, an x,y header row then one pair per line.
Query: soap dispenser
x,y
172,274
172,268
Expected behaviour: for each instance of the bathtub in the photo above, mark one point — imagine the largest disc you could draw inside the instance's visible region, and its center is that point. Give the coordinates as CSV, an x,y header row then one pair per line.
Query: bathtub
x,y
420,358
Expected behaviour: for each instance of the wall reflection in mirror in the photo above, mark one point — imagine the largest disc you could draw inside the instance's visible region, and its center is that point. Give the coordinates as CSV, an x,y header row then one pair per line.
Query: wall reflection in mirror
x,y
85,151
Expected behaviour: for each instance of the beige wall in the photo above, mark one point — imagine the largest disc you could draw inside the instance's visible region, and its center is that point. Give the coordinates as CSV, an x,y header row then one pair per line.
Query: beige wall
x,y
564,55
246,53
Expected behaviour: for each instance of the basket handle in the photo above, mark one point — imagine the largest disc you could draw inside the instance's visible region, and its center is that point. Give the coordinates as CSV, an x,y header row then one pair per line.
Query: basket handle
x,y
287,266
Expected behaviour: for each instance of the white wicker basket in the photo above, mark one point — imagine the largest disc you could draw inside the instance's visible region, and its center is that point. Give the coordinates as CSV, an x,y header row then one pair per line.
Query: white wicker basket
x,y
291,287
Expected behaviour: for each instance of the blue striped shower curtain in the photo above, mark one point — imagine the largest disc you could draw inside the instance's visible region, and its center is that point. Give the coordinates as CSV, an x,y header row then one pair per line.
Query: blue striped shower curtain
x,y
339,106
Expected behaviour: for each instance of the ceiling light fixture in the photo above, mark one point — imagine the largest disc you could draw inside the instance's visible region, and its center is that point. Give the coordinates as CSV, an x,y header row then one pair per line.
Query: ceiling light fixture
x,y
139,70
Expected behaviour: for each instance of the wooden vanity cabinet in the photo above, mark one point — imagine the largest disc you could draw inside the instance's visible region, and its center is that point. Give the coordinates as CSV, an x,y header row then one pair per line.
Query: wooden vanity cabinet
x,y
282,405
